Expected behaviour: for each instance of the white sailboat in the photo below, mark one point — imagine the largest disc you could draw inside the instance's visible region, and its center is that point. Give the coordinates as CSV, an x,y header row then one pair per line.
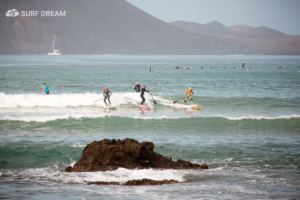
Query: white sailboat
x,y
54,52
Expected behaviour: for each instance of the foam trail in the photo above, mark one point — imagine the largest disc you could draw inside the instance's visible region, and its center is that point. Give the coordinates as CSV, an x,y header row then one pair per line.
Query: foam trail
x,y
67,100
260,117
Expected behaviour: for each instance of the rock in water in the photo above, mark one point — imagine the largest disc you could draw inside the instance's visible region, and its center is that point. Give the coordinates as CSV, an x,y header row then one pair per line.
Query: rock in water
x,y
130,154
146,181
104,183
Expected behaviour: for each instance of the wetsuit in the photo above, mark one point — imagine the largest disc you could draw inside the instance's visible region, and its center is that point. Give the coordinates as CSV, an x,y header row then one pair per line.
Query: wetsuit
x,y
188,95
106,94
142,95
46,90
137,88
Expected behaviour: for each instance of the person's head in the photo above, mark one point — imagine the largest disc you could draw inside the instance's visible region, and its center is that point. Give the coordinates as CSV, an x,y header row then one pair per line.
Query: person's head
x,y
44,84
105,87
137,83
190,88
143,86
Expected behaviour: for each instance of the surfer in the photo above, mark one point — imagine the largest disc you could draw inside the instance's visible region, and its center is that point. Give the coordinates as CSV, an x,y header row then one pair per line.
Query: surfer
x,y
45,89
142,94
149,68
244,66
188,95
177,67
106,94
137,87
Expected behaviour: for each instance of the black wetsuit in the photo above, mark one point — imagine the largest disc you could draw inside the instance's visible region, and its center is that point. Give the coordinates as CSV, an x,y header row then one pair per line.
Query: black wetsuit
x,y
137,88
143,90
106,94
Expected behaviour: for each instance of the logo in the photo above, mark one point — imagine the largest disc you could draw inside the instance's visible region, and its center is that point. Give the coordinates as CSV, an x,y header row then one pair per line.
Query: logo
x,y
12,13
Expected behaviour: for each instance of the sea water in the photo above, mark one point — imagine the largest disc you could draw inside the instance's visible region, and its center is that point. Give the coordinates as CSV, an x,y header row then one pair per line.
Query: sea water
x,y
247,131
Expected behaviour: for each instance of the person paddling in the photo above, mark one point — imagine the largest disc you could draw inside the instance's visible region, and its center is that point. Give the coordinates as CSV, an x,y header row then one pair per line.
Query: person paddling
x,y
142,94
137,87
106,95
45,89
188,95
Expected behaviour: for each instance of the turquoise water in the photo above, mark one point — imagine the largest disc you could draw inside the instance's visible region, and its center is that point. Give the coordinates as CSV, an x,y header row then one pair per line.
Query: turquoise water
x,y
247,130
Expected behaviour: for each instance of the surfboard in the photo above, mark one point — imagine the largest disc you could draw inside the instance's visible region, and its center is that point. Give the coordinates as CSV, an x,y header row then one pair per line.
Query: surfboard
x,y
142,106
112,106
188,106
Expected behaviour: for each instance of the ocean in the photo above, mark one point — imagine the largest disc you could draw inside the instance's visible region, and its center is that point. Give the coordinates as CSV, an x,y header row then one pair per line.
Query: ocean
x,y
247,130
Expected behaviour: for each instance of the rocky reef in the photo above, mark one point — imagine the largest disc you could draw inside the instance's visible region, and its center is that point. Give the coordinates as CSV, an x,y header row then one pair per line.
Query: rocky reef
x,y
108,154
144,181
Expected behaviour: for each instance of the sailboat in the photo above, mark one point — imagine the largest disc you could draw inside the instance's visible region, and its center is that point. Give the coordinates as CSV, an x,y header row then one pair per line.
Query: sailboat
x,y
54,52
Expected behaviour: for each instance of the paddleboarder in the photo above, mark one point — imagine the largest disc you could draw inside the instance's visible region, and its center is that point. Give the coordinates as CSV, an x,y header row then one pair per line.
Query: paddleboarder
x,y
137,87
106,95
45,89
149,68
188,95
143,90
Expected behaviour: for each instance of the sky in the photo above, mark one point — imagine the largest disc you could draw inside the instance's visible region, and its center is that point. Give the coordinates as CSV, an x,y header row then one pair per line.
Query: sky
x,y
280,15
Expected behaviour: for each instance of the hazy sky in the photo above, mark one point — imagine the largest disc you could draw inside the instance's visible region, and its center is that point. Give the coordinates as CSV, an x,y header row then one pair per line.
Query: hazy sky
x,y
281,15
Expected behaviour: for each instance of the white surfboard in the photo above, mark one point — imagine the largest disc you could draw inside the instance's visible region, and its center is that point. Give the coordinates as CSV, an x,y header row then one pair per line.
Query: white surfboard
x,y
194,106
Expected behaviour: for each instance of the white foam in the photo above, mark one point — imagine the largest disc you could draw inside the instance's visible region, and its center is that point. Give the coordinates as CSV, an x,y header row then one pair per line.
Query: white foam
x,y
35,118
120,175
67,100
260,117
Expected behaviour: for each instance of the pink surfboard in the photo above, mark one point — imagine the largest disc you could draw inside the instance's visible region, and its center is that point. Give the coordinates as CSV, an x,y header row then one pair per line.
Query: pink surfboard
x,y
142,106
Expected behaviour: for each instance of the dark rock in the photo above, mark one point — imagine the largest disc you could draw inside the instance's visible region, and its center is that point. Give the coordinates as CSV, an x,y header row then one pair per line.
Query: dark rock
x,y
130,154
150,182
103,183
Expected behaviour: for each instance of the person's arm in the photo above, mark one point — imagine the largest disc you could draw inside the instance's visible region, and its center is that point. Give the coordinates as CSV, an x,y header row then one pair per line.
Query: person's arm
x,y
134,87
42,89
192,92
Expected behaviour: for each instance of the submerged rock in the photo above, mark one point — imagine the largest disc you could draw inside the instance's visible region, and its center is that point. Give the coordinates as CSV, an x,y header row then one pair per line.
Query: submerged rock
x,y
146,181
103,183
130,154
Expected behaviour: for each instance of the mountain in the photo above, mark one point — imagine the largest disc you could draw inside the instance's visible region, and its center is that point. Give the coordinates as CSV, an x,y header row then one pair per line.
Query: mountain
x,y
117,27
263,39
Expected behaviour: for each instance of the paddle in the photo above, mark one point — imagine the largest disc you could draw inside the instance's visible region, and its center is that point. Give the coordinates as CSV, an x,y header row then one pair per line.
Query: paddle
x,y
131,83
98,100
151,95
178,100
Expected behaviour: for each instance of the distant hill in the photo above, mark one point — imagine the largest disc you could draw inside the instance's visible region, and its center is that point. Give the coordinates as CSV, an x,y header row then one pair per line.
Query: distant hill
x,y
117,27
262,38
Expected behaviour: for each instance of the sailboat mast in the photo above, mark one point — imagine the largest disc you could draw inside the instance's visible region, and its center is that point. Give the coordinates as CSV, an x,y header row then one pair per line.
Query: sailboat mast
x,y
53,42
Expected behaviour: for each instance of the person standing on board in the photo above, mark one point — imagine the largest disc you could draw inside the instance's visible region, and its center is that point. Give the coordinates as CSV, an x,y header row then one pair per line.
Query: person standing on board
x,y
106,94
142,94
137,87
149,68
45,89
188,95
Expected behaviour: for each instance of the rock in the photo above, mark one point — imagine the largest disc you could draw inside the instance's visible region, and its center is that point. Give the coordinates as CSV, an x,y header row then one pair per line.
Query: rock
x,y
150,182
130,154
103,183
